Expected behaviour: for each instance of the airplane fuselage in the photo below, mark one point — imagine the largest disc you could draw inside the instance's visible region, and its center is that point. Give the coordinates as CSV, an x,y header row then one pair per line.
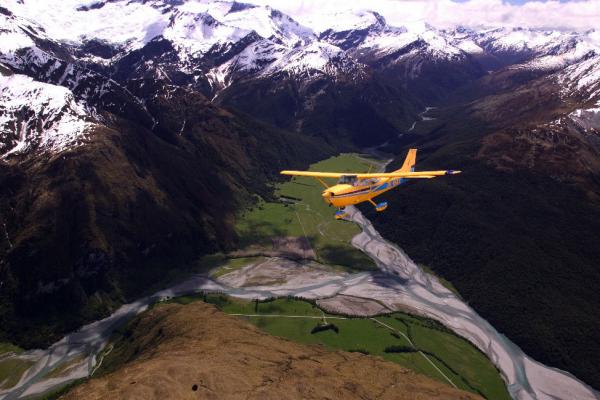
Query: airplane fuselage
x,y
358,187
345,194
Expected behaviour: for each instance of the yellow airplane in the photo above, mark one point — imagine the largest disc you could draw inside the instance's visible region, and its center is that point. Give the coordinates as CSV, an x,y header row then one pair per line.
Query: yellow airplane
x,y
354,188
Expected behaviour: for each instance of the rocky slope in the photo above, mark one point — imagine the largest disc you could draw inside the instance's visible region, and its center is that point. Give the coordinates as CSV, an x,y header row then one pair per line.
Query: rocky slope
x,y
195,351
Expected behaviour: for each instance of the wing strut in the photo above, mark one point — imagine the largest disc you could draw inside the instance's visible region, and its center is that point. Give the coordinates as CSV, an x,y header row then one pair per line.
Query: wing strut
x,y
322,182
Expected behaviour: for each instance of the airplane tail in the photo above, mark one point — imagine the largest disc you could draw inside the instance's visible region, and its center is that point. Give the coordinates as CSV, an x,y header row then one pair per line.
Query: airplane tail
x,y
409,161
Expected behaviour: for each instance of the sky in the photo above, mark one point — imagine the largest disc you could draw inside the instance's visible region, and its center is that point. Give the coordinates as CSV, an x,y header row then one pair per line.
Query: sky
x,y
566,15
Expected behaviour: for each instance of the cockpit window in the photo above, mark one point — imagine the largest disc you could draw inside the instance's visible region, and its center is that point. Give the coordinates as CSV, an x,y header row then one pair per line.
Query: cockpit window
x,y
347,179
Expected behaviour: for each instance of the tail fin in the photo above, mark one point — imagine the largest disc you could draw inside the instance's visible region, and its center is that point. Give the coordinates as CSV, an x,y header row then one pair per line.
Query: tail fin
x,y
409,161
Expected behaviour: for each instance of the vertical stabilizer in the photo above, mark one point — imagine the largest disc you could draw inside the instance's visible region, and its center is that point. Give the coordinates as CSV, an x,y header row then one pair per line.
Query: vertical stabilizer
x,y
409,162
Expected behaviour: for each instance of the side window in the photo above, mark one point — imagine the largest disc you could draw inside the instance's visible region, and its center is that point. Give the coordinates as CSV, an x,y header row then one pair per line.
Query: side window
x,y
347,179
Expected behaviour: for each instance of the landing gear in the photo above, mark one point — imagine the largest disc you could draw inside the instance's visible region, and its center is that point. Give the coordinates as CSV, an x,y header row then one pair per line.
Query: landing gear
x,y
379,206
340,214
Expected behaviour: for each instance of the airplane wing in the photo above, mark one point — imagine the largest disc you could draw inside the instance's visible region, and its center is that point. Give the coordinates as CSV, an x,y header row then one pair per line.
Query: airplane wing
x,y
407,174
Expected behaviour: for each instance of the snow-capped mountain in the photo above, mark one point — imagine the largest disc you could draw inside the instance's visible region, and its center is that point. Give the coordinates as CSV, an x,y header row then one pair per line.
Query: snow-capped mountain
x,y
266,58
15,33
580,82
521,40
208,35
582,78
196,28
223,48
39,116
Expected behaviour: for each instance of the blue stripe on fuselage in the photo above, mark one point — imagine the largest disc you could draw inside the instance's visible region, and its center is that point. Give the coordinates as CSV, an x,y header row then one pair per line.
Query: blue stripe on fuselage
x,y
389,184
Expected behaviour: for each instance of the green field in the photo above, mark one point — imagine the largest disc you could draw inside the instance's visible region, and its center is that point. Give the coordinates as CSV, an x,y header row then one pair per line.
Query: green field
x,y
6,347
456,358
11,369
301,211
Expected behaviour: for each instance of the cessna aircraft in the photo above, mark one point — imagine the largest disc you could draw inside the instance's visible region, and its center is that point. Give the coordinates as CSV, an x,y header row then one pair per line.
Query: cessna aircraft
x,y
354,188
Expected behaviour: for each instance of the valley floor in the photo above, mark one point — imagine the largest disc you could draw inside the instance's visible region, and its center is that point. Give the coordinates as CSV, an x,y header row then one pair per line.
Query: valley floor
x,y
398,285
300,212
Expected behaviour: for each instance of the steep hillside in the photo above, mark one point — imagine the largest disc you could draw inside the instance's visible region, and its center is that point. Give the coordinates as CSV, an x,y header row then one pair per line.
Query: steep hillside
x,y
93,219
517,231
195,351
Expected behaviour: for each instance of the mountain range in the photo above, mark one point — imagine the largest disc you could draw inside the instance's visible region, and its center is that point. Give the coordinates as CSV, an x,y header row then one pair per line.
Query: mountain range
x,y
131,132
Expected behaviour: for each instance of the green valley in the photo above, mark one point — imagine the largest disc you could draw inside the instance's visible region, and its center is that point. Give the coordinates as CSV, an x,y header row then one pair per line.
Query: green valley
x,y
301,212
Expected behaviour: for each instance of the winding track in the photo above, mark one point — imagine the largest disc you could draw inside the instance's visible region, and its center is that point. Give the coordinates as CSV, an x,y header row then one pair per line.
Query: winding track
x,y
413,345
333,317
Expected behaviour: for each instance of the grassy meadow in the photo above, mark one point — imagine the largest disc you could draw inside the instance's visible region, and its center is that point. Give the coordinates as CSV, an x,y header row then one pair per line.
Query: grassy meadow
x,y
462,363
301,211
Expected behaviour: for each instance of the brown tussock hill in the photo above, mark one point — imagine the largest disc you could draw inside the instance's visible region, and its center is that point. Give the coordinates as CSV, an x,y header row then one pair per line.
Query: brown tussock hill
x,y
173,349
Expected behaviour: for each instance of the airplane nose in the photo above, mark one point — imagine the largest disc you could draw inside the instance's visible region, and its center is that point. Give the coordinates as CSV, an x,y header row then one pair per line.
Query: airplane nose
x,y
327,194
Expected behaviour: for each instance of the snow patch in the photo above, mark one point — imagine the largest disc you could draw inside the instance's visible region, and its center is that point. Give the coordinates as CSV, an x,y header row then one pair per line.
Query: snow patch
x,y
432,41
133,22
14,34
588,118
12,41
197,33
39,116
469,46
520,40
314,57
345,21
582,77
270,23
